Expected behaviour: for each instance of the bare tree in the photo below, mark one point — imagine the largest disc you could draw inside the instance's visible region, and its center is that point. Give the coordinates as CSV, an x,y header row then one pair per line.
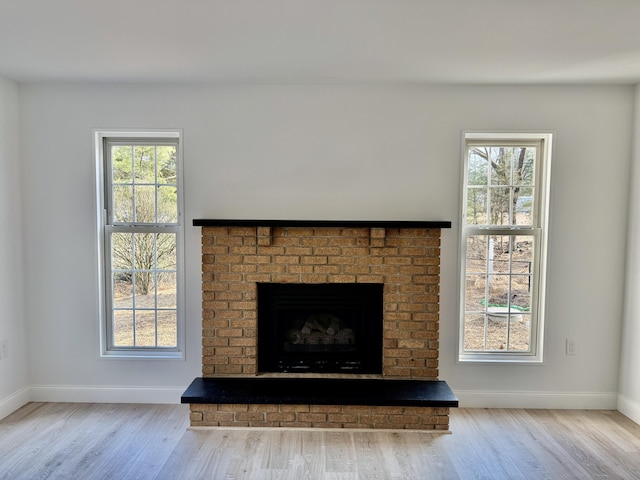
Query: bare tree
x,y
511,170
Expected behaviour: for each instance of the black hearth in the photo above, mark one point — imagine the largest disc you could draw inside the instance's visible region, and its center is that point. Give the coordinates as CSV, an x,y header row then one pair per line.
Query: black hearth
x,y
320,328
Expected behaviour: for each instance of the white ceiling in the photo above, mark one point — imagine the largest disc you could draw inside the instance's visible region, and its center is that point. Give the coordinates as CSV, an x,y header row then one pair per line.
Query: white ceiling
x,y
460,41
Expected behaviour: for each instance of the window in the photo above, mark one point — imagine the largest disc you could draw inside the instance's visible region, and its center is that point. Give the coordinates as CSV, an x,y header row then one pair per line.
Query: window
x,y
140,223
503,246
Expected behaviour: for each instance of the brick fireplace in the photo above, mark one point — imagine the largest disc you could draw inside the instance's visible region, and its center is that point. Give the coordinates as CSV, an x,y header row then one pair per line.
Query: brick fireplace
x,y
403,257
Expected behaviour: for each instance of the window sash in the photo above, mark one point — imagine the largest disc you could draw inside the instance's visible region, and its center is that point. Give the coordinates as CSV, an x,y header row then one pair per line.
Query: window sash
x,y
109,184
533,313
536,214
110,295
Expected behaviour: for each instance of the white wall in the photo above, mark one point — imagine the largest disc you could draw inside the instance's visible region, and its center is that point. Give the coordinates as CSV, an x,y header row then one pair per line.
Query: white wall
x,y
326,152
629,399
13,368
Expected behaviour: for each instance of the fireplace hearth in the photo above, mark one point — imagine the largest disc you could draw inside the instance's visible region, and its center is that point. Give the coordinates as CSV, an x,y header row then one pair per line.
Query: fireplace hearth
x,y
320,328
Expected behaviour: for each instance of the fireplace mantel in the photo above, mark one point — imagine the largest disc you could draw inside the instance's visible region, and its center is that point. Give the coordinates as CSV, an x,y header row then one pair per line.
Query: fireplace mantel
x,y
322,223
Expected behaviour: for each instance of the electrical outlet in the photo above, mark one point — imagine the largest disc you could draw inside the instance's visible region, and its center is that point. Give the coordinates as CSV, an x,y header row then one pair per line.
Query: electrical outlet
x,y
4,349
571,347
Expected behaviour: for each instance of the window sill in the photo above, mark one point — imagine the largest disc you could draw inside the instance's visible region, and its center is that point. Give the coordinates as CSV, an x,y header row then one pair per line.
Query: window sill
x,y
500,358
143,355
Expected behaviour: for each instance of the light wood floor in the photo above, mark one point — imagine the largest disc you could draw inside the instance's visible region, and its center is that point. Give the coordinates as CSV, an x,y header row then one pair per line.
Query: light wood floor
x,y
117,442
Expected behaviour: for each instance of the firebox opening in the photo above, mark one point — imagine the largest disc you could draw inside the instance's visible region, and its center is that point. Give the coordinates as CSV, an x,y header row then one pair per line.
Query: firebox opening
x,y
320,328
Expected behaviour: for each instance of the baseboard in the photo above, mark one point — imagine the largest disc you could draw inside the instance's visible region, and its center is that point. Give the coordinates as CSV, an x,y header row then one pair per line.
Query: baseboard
x,y
468,398
13,402
520,399
105,394
629,408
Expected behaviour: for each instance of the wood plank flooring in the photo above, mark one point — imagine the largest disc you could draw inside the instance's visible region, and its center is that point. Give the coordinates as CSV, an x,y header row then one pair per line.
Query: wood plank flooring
x,y
107,441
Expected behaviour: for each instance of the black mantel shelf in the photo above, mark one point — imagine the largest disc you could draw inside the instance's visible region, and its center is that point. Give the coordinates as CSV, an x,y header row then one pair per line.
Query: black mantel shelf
x,y
322,223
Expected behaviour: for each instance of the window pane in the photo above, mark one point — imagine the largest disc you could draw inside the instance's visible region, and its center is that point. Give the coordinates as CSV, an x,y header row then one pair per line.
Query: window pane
x,y
145,289
499,290
122,203
121,164
121,251
524,167
496,334
523,209
475,293
145,328
167,204
477,206
123,328
477,246
474,332
122,290
145,204
501,162
145,251
520,332
522,272
166,251
500,206
167,166
167,288
167,328
477,172
144,164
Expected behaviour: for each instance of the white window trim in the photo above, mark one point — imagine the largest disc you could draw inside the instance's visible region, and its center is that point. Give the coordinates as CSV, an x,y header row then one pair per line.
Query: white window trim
x,y
541,228
105,351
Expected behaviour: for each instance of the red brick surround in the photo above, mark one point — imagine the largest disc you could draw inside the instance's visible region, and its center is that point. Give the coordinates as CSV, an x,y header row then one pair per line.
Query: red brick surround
x,y
405,260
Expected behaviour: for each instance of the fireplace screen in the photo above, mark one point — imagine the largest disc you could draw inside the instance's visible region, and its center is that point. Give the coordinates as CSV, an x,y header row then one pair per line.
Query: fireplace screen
x,y
320,328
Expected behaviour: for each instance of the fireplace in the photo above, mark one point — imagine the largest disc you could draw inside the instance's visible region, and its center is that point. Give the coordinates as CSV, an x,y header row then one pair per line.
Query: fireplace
x,y
320,328
355,304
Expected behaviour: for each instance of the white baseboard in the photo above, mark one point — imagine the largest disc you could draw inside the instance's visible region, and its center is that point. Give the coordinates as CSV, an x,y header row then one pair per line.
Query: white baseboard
x,y
105,394
13,402
629,408
519,399
171,395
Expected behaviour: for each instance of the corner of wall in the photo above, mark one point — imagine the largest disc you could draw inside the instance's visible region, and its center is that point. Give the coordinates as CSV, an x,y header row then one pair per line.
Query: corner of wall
x,y
629,381
13,326
629,408
14,401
